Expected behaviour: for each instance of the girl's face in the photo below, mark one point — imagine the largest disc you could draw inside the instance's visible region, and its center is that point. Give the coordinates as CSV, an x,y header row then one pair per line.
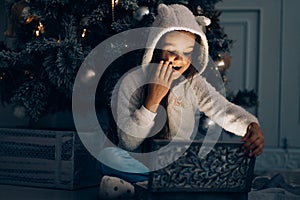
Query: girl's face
x,y
177,48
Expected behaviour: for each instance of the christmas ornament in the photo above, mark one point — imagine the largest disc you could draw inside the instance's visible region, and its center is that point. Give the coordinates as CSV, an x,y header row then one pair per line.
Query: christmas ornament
x,y
140,13
20,112
25,16
224,62
84,22
28,74
19,13
199,10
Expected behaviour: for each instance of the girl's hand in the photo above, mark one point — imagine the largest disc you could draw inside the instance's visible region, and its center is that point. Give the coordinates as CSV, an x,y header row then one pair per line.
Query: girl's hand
x,y
254,140
160,83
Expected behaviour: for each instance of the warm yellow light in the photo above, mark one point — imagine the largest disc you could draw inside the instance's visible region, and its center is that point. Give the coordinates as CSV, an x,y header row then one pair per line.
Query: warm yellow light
x,y
83,33
29,20
221,63
40,29
113,10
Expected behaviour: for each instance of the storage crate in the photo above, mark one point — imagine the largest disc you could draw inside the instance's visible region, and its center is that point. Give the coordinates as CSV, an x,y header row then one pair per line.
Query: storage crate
x,y
45,158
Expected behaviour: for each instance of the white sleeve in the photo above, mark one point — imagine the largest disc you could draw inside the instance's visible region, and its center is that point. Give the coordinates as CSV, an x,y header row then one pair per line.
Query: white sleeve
x,y
134,121
229,116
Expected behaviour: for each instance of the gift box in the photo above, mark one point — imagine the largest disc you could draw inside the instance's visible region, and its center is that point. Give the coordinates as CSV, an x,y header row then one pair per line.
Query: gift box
x,y
221,171
46,158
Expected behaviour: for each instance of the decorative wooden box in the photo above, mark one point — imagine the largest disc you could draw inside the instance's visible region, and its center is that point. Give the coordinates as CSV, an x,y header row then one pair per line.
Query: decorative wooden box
x,y
44,158
225,173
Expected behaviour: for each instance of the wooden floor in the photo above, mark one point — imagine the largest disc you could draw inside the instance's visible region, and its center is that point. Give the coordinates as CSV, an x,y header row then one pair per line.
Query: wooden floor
x,y
9,192
291,177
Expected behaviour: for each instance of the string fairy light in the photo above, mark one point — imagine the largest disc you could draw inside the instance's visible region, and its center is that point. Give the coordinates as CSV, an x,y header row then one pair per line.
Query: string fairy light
x,y
59,39
83,33
113,4
40,29
221,63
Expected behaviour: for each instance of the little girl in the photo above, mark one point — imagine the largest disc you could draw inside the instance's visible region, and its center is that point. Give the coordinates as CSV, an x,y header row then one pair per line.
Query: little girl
x,y
170,79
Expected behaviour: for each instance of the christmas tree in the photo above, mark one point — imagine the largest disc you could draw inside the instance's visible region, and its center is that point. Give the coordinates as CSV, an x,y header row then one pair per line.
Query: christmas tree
x,y
47,41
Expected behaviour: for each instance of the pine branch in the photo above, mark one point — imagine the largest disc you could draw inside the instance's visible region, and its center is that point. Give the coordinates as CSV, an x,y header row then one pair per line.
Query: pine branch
x,y
9,58
49,63
41,45
33,95
53,3
128,5
98,15
62,69
246,98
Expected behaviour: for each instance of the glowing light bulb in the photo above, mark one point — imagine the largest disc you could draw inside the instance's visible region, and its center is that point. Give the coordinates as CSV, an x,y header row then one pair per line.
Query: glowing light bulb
x,y
29,20
221,63
83,33
113,10
40,29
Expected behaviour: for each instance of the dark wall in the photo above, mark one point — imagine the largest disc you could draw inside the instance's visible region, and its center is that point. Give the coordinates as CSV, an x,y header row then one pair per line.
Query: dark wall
x,y
3,19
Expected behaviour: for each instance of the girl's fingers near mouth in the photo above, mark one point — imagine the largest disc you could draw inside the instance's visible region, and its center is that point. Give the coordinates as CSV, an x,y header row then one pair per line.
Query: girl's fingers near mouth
x,y
163,69
168,72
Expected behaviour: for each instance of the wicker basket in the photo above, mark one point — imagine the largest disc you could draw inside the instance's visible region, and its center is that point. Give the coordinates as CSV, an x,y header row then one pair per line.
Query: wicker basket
x,y
43,158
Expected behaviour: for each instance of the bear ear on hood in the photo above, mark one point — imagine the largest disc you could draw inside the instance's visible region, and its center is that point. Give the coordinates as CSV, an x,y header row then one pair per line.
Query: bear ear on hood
x,y
202,20
163,10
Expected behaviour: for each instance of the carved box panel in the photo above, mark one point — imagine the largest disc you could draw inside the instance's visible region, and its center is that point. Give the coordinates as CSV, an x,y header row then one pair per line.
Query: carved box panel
x,y
225,168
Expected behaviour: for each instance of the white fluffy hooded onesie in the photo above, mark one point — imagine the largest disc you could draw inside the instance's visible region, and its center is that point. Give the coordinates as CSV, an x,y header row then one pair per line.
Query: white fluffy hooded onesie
x,y
186,98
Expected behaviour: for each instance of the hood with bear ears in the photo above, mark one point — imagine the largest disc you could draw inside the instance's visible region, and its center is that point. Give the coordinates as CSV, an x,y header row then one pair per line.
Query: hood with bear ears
x,y
177,18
